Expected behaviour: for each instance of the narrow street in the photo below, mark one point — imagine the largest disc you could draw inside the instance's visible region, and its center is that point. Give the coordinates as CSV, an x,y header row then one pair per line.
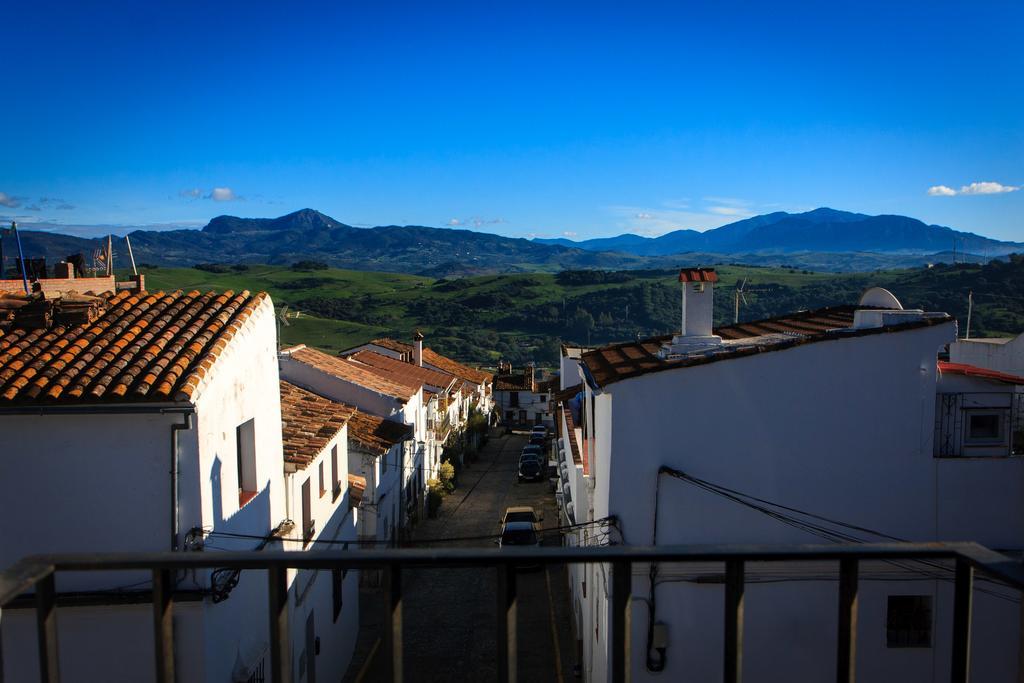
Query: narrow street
x,y
449,613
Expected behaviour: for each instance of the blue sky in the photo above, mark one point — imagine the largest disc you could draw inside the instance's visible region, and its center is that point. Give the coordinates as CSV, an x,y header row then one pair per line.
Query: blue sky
x,y
583,119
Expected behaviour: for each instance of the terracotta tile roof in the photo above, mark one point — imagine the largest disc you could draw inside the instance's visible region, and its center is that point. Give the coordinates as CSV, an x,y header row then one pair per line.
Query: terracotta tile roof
x,y
568,392
570,438
431,357
356,489
610,364
804,322
698,275
514,382
393,344
143,346
308,423
456,368
356,373
974,371
408,373
376,434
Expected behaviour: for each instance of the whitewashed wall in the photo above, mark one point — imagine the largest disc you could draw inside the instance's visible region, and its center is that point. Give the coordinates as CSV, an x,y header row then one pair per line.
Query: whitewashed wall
x,y
1007,357
841,428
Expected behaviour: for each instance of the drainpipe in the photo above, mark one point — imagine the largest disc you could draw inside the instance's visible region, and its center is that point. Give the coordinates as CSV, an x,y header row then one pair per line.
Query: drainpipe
x,y
175,428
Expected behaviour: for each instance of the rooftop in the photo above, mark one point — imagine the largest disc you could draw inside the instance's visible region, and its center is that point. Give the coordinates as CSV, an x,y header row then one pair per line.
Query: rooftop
x,y
308,423
376,434
617,362
134,346
350,371
982,373
404,373
431,357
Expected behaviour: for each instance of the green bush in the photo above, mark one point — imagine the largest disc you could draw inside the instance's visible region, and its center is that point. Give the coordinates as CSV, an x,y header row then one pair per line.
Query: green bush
x,y
435,495
447,474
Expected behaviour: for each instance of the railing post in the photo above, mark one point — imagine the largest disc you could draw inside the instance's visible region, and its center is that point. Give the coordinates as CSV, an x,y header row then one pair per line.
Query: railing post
x,y
505,631
393,623
960,669
280,637
46,623
846,656
163,625
733,652
622,604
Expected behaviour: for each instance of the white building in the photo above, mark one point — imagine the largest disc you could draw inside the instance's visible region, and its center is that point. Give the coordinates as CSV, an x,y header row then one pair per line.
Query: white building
x,y
375,447
829,412
370,391
478,382
149,424
322,501
1003,354
521,399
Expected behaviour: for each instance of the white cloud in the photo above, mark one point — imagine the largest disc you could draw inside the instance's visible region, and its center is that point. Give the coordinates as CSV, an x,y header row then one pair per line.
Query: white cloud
x,y
731,211
454,222
568,233
223,194
987,188
984,187
191,193
677,214
731,201
9,201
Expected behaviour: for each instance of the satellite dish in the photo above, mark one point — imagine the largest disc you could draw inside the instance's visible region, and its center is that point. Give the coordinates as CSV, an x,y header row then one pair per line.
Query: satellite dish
x,y
877,297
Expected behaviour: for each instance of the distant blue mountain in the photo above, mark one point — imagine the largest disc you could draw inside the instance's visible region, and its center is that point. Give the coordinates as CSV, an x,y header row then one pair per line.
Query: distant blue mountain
x,y
820,230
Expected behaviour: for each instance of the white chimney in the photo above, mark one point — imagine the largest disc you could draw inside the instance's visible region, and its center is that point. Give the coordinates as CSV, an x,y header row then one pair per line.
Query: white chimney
x,y
417,348
697,312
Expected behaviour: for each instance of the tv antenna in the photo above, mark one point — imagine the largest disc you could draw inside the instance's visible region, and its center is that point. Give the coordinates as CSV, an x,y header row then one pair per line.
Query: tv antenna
x,y
738,296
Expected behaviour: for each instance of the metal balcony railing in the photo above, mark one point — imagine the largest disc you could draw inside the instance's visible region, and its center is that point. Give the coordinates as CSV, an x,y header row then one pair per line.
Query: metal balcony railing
x,y
39,573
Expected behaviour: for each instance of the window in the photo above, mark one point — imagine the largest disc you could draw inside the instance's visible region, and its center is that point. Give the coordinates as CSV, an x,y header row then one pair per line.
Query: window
x,y
337,590
985,427
307,515
336,481
245,455
908,621
513,398
510,416
522,416
323,480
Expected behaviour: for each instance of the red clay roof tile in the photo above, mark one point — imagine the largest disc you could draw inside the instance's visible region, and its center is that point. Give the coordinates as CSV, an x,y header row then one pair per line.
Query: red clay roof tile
x,y
145,346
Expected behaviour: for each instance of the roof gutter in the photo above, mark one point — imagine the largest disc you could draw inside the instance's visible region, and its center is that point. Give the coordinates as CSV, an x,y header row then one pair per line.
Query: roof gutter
x,y
175,429
95,409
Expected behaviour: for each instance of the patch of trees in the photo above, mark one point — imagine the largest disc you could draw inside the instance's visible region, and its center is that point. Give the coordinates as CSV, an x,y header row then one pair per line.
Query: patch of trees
x,y
305,283
580,278
307,264
360,310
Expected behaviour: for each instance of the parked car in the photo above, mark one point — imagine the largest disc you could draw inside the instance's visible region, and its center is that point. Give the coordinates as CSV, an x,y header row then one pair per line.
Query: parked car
x,y
538,440
522,513
518,534
533,450
540,429
530,469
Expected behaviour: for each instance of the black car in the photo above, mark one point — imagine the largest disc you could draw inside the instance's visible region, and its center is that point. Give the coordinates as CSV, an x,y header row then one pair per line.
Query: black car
x,y
530,469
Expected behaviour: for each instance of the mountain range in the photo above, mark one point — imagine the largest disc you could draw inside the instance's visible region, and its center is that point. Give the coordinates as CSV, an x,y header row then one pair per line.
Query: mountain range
x,y
820,230
823,239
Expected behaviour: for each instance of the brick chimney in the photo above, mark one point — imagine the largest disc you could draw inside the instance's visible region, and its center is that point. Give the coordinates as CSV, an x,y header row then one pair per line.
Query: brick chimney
x,y
417,348
530,376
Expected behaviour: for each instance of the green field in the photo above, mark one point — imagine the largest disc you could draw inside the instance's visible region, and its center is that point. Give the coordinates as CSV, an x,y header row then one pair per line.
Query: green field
x,y
524,317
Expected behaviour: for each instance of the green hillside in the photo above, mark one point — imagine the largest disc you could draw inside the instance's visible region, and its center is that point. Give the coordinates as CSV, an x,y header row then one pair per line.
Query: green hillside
x,y
524,317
